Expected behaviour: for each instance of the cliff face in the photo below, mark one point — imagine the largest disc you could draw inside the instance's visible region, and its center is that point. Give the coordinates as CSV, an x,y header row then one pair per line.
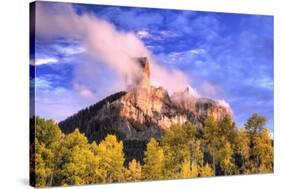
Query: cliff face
x,y
141,113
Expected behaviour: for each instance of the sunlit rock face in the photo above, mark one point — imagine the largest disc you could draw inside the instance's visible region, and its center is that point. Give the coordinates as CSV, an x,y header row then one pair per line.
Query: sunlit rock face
x,y
142,113
207,107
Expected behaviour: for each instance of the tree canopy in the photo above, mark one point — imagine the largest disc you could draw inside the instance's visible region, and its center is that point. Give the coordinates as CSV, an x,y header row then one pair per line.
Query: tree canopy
x,y
182,152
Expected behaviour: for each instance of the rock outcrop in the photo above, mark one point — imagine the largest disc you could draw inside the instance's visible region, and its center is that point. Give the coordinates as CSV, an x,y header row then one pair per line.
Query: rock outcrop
x,y
137,115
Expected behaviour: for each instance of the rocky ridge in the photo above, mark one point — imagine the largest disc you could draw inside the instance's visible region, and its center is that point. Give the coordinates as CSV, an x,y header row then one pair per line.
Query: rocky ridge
x,y
143,112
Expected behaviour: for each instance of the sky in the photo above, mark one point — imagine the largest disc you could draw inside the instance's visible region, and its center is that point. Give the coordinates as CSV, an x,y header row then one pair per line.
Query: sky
x,y
83,53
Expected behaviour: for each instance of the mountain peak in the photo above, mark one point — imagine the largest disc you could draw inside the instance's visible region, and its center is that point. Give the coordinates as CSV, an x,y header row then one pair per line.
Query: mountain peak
x,y
144,80
142,113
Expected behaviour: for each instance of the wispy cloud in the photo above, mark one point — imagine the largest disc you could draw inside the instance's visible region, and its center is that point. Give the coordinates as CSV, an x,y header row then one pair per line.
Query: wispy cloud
x,y
263,82
168,34
56,102
41,83
197,51
211,90
68,50
143,34
42,61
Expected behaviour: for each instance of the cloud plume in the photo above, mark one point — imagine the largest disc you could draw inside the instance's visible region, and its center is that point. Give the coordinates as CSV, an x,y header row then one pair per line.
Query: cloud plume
x,y
104,44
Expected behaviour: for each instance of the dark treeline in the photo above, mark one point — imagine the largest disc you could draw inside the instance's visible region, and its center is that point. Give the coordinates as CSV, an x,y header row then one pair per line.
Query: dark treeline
x,y
182,152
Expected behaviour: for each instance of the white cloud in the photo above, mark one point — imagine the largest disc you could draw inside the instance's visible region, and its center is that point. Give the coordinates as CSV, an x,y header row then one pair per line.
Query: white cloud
x,y
210,90
223,103
143,34
57,102
176,55
70,49
41,83
197,51
168,34
59,90
192,56
226,105
42,61
84,91
263,82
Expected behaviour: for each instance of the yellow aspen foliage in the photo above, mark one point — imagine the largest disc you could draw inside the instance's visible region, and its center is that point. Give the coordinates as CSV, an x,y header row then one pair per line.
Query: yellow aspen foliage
x,y
47,139
226,162
189,170
243,149
43,164
194,171
182,152
179,144
198,154
264,150
73,160
134,171
111,155
261,145
206,171
153,161
185,169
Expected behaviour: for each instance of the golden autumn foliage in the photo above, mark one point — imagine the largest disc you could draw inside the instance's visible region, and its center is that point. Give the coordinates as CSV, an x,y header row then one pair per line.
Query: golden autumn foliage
x,y
134,172
154,161
206,171
182,152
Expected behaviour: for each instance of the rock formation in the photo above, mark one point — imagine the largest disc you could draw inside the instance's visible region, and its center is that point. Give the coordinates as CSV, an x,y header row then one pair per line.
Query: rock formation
x,y
137,115
145,76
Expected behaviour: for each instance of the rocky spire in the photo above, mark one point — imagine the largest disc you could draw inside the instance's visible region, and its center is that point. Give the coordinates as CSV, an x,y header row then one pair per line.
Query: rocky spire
x,y
145,66
144,81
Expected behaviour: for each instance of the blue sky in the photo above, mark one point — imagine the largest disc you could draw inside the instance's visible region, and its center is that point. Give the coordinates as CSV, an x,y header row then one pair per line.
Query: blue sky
x,y
225,56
